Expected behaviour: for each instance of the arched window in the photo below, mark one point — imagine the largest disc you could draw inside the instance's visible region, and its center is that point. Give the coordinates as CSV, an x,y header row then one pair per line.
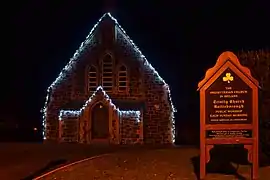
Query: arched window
x,y
92,79
107,73
122,78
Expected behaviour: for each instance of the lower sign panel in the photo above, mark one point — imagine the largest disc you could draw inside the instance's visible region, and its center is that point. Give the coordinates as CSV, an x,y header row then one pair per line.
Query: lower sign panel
x,y
229,133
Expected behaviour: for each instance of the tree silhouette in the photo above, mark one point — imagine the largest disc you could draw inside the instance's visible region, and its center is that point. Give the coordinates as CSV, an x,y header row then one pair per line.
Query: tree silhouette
x,y
259,64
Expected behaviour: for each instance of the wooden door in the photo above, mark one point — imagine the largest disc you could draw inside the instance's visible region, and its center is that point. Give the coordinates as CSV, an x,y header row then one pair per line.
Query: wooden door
x,y
100,122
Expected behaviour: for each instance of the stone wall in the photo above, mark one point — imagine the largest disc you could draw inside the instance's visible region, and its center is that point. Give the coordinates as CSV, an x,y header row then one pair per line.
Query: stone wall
x,y
67,87
59,96
130,127
158,125
158,115
115,126
68,127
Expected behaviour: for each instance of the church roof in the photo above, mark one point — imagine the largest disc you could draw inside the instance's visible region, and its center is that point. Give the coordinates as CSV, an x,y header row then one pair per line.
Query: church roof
x,y
124,105
118,103
88,41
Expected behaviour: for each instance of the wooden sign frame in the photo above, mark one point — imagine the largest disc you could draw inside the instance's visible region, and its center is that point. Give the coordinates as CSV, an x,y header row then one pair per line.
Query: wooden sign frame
x,y
229,60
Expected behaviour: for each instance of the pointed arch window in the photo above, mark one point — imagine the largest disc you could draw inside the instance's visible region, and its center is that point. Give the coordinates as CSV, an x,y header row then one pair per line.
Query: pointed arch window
x,y
122,78
107,72
92,79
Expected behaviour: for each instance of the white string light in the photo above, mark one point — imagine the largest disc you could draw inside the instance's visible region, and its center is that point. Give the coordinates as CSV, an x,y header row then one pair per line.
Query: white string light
x,y
68,113
131,114
77,113
68,69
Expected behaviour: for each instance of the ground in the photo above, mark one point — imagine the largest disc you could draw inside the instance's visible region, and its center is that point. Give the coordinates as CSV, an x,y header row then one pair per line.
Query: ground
x,y
149,164
27,160
19,161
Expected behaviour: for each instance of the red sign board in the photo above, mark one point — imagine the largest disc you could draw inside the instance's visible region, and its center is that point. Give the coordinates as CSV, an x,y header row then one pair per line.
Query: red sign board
x,y
228,109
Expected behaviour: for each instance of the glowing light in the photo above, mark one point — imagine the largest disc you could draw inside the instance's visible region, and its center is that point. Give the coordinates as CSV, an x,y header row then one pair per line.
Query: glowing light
x,y
67,69
150,67
68,113
77,113
131,114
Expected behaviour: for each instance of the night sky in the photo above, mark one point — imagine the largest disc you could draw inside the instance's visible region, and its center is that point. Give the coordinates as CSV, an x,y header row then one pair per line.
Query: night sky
x,y
181,40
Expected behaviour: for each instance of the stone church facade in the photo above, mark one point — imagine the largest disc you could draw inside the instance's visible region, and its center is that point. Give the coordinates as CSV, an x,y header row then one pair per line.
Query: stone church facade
x,y
109,93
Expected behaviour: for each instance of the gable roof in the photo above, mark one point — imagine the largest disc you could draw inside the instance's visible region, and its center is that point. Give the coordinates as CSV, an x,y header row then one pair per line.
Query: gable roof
x,y
119,103
90,100
99,90
78,111
135,113
88,41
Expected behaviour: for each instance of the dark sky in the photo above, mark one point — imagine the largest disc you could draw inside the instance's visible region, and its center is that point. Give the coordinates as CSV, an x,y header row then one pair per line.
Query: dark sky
x,y
181,40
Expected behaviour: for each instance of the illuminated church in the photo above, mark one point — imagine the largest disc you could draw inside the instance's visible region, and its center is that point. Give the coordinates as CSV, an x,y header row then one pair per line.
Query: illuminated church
x,y
109,93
